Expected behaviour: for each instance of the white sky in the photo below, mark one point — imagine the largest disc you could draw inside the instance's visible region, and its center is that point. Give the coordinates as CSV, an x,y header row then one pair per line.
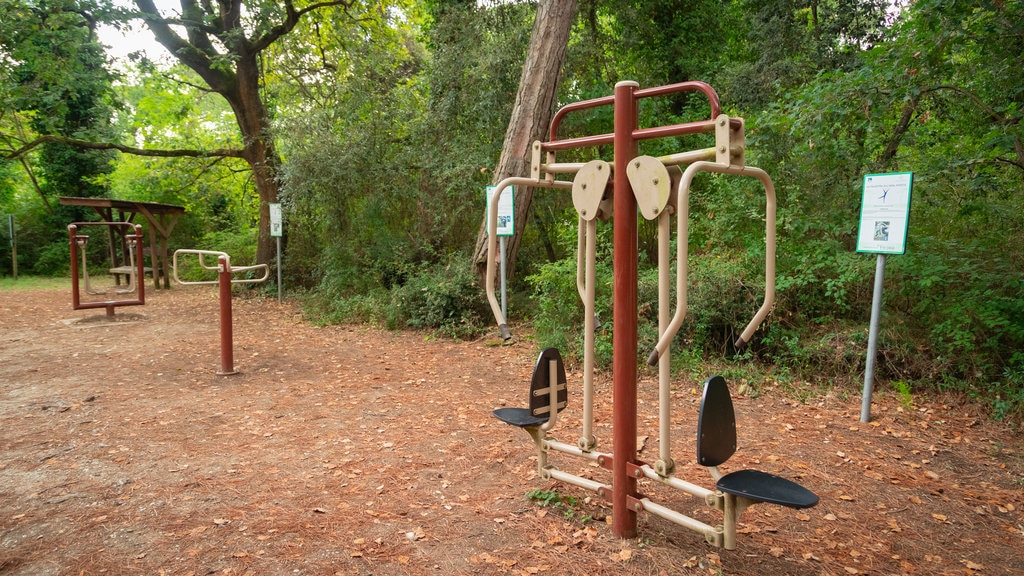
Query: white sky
x,y
120,43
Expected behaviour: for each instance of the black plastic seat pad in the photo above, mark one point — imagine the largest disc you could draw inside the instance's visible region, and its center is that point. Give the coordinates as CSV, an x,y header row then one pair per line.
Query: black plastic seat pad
x,y
521,417
765,487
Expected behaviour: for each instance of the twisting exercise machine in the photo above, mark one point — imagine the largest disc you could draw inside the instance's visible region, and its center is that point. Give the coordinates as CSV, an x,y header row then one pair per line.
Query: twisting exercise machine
x,y
224,270
131,237
644,184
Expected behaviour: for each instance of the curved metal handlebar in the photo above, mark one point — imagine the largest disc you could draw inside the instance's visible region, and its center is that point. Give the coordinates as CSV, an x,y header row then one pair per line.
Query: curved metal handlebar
x,y
227,261
682,251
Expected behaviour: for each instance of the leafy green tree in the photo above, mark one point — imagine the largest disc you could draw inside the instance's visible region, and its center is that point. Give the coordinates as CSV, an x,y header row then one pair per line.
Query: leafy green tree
x,y
57,84
940,97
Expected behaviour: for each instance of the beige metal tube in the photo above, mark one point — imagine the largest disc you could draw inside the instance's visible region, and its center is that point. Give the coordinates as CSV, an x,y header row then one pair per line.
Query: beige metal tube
x,y
571,450
218,255
492,240
682,265
688,157
588,441
671,515
730,517
664,465
563,167
679,484
683,250
576,480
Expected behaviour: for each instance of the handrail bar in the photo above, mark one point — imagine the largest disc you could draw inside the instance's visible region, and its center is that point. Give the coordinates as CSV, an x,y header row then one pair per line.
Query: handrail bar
x,y
641,134
231,269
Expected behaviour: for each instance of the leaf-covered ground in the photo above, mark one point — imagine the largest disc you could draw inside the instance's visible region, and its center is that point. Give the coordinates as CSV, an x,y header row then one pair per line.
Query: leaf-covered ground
x,y
350,450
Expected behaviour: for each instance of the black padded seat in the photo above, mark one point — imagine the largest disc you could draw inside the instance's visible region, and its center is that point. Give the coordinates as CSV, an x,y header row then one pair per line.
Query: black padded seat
x,y
540,396
521,417
716,443
765,487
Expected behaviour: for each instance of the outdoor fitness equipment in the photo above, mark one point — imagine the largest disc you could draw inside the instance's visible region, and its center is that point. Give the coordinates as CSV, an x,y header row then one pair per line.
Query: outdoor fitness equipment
x,y
132,236
224,281
643,184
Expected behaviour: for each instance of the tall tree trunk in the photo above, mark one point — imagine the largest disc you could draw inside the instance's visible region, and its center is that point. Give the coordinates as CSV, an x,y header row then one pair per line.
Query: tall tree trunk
x,y
531,115
260,154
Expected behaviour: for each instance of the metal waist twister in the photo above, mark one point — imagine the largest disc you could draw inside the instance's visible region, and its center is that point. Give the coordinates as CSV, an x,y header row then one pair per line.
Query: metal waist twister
x,y
224,280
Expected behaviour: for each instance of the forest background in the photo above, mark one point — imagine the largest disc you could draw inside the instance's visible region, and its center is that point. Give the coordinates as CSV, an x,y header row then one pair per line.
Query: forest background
x,y
379,123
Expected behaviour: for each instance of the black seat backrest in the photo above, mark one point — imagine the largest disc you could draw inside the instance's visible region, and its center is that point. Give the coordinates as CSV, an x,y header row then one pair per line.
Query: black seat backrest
x,y
540,398
716,424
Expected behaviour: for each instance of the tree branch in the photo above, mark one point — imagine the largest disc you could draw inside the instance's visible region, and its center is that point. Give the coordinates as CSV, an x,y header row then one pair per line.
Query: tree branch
x,y
291,19
989,111
89,145
189,54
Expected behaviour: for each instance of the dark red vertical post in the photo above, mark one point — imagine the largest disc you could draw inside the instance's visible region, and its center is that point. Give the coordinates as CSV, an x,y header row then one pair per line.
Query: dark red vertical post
x,y
624,335
227,348
75,297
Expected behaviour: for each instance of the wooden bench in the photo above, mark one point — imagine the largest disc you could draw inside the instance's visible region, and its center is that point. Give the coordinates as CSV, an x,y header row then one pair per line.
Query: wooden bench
x,y
126,271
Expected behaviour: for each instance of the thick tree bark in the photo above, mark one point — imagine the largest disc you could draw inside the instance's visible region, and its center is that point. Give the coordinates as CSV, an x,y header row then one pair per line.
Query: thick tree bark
x,y
531,115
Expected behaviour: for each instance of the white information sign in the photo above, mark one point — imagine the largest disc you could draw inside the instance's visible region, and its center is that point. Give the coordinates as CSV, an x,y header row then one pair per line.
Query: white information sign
x,y
885,213
276,226
506,212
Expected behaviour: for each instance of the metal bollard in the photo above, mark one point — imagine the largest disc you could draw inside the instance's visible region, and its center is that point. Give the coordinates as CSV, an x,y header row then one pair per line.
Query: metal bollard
x,y
227,346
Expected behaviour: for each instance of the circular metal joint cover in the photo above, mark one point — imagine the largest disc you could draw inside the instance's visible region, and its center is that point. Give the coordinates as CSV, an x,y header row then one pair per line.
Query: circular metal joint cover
x,y
588,188
651,184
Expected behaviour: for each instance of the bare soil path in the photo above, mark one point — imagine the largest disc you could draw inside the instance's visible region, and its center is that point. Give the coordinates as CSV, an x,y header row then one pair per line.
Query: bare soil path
x,y
351,450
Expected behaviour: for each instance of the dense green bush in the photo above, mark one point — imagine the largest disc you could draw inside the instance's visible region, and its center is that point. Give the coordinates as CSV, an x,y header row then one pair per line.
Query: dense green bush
x,y
444,297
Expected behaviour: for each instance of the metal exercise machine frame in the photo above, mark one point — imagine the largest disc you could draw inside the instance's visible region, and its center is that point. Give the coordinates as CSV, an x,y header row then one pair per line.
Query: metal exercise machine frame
x,y
641,184
133,237
224,281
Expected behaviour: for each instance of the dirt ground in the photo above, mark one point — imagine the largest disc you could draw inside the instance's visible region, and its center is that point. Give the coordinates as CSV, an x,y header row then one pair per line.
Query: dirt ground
x,y
352,450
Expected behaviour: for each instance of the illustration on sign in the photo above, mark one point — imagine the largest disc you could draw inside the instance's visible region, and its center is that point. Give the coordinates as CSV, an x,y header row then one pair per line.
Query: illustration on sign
x,y
885,213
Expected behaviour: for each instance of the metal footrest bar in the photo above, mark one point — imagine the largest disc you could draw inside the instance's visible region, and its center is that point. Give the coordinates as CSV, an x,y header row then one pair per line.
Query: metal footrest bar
x,y
592,485
713,535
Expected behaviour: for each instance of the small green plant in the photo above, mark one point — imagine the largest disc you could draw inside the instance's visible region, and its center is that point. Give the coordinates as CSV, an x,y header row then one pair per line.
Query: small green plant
x,y
555,499
903,393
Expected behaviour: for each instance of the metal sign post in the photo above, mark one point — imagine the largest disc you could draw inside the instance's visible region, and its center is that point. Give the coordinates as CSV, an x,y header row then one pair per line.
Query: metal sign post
x,y
506,227
14,246
276,229
884,220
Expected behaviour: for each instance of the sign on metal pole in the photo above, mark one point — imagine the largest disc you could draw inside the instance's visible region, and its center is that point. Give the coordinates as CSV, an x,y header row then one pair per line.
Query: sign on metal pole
x,y
885,213
276,230
506,227
884,220
276,221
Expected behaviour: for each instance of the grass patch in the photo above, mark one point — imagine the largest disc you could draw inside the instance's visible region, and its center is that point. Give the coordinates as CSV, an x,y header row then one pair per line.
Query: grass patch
x,y
34,283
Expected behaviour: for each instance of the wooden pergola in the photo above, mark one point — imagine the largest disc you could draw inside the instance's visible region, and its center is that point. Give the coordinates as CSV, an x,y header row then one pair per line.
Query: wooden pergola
x,y
160,217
